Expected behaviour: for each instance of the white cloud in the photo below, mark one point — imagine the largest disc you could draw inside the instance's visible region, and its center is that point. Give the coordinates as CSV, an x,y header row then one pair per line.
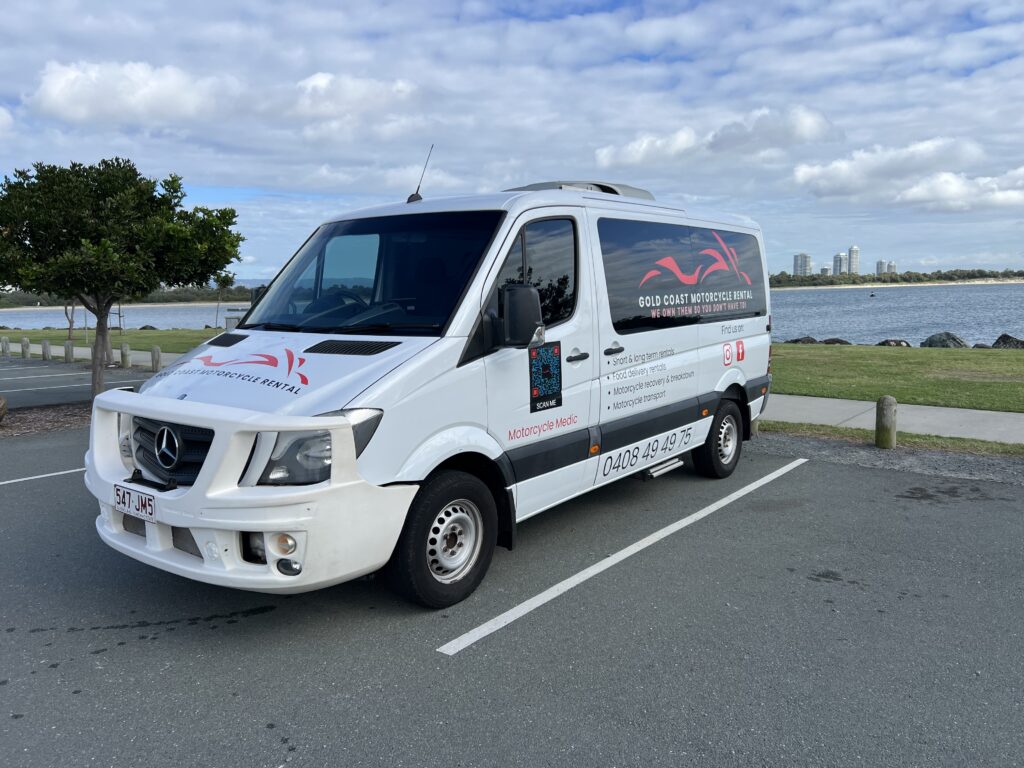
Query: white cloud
x,y
768,128
6,122
647,148
762,134
959,192
878,170
133,93
325,94
320,106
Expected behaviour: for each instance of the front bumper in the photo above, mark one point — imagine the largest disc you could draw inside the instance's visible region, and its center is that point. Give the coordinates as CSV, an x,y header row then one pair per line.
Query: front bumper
x,y
343,527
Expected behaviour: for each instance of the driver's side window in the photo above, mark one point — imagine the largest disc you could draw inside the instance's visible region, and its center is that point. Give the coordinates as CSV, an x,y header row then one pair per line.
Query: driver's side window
x,y
545,252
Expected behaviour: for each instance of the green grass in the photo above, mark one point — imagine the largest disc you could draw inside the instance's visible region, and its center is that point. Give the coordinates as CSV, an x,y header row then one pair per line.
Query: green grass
x,y
903,439
988,379
174,341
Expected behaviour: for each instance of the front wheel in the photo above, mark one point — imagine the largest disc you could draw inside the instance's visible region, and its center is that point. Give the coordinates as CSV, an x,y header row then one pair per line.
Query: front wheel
x,y
448,541
720,453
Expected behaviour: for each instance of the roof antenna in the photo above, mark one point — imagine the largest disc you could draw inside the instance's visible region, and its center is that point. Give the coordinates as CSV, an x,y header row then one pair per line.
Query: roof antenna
x,y
415,197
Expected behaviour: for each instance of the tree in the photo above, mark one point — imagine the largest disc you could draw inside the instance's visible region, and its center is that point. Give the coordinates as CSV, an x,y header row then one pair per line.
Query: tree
x,y
101,233
223,280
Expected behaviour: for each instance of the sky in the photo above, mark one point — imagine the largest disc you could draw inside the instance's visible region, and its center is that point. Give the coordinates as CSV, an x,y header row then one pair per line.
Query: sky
x,y
895,126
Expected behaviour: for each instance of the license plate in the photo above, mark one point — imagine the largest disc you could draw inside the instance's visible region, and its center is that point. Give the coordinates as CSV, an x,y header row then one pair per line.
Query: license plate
x,y
131,502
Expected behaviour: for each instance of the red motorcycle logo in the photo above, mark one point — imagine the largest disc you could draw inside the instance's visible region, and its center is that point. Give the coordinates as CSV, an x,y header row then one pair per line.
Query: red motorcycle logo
x,y
293,363
718,262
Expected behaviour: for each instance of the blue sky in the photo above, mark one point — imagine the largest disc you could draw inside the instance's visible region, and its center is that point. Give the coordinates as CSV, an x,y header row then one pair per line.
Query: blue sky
x,y
893,126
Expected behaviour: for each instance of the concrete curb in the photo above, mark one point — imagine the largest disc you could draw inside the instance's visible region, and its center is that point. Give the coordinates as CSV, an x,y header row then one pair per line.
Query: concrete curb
x,y
995,426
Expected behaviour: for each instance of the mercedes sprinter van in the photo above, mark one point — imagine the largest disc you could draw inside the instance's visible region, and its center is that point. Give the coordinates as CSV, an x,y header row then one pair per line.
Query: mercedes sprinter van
x,y
421,377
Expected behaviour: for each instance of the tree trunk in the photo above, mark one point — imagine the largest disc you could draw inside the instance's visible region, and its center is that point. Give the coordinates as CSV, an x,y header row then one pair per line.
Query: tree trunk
x,y
99,351
70,317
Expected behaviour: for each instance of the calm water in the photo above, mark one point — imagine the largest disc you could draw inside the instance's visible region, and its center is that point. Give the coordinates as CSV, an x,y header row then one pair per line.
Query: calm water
x,y
135,315
977,313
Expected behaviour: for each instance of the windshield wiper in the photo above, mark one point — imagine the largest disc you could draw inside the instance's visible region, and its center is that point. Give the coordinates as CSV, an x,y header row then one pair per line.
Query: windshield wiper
x,y
270,327
286,327
378,327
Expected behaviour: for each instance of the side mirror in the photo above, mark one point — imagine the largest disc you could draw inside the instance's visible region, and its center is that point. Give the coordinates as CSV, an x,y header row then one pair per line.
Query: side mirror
x,y
523,321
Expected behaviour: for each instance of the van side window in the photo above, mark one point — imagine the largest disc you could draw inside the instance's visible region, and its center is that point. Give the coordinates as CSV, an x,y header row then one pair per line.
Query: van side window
x,y
664,275
545,251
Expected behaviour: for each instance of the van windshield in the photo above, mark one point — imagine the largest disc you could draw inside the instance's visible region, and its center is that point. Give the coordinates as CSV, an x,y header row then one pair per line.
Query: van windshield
x,y
396,275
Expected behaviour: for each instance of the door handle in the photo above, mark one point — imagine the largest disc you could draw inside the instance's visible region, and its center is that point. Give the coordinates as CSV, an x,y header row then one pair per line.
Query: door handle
x,y
577,358
615,350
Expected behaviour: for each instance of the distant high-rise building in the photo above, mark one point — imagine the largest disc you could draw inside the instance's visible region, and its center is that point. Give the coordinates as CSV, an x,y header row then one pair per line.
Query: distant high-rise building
x,y
881,267
854,256
826,271
840,264
802,265
891,267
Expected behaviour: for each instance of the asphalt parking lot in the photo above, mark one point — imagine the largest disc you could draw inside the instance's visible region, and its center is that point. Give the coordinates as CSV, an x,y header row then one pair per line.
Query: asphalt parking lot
x,y
836,615
30,382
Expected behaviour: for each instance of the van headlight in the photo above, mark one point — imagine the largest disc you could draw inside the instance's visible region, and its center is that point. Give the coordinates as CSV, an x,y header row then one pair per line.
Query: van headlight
x,y
299,458
304,458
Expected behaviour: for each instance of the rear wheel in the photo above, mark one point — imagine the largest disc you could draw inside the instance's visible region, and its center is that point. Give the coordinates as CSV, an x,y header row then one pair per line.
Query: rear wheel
x,y
448,541
720,453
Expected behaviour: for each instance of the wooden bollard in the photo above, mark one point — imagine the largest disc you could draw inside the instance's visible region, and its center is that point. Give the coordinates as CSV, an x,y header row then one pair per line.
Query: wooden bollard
x,y
154,359
26,349
47,355
69,351
126,355
5,347
885,422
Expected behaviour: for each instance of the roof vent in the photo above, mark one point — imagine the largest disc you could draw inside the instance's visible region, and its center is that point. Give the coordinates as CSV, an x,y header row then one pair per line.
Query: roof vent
x,y
591,186
346,347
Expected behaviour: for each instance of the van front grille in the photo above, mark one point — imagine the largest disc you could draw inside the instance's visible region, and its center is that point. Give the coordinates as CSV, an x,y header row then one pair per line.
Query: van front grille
x,y
188,448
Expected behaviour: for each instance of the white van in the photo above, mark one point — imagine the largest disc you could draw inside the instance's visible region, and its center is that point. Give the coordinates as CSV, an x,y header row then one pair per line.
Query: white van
x,y
420,377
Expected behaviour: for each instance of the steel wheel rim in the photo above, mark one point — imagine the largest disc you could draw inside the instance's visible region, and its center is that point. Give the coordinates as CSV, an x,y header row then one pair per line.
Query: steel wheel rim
x,y
727,441
454,541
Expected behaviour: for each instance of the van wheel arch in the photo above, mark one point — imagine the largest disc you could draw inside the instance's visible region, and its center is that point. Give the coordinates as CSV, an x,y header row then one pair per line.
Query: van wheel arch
x,y
498,477
737,394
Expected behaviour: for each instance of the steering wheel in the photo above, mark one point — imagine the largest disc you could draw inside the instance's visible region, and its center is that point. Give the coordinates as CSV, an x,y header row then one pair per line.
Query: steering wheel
x,y
349,294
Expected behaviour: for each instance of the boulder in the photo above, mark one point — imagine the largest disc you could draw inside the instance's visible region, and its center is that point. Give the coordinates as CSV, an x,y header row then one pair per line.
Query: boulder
x,y
3,409
802,340
836,341
945,340
982,346
148,328
893,343
1006,341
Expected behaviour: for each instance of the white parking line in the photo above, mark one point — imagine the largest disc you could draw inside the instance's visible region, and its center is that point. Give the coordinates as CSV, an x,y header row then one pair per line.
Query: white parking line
x,y
117,382
5,368
464,641
40,477
45,376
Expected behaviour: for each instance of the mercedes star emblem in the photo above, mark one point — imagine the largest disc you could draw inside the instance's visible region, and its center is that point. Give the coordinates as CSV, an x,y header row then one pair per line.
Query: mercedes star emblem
x,y
166,448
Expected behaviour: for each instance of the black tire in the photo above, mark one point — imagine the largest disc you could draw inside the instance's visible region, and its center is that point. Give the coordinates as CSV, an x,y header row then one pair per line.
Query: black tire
x,y
720,453
447,542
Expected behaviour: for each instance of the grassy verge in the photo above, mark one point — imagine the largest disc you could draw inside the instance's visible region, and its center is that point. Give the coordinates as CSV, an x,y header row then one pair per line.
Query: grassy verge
x,y
904,440
174,341
989,379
